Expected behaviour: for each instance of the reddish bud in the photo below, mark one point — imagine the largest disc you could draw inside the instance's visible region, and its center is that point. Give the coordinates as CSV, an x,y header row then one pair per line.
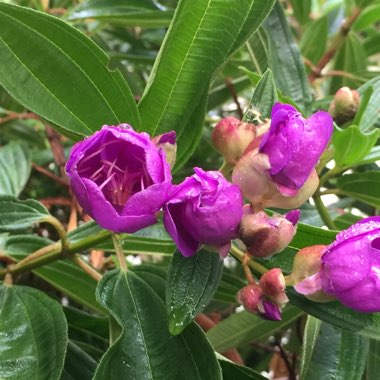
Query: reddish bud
x,y
264,235
231,138
273,285
345,105
249,297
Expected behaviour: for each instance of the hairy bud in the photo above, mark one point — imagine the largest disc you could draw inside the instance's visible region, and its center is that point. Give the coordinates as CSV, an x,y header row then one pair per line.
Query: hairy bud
x,y
345,105
273,285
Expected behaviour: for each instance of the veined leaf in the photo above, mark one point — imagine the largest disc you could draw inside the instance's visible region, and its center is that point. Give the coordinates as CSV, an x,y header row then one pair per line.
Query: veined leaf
x,y
371,112
96,96
373,360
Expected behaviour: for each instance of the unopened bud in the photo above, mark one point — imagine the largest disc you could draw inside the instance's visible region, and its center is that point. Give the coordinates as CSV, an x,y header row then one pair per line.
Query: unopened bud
x,y
167,142
231,138
345,105
249,297
305,274
269,310
273,285
264,235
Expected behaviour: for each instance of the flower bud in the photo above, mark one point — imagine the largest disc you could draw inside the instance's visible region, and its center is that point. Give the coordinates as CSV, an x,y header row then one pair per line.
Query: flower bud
x,y
167,142
249,297
306,266
264,235
273,285
269,310
231,137
345,105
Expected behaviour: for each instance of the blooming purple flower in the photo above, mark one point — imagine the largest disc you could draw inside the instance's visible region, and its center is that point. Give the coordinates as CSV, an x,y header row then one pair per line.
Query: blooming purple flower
x,y
351,266
294,145
203,209
120,178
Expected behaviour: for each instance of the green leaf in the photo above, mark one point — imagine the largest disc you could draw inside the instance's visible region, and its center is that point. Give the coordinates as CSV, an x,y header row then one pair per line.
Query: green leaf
x,y
145,348
64,275
351,145
371,114
191,285
143,13
350,58
373,360
286,60
346,220
97,95
372,44
33,334
337,355
372,156
364,101
264,96
308,235
362,186
78,364
243,327
196,45
314,39
233,371
17,215
15,168
301,9
367,325
310,337
367,17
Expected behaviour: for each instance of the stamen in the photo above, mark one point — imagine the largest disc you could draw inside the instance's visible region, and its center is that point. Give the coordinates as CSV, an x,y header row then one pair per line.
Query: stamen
x,y
98,151
94,175
106,181
112,163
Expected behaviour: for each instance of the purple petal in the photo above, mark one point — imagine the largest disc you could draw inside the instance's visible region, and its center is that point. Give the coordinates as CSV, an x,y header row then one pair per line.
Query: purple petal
x,y
293,216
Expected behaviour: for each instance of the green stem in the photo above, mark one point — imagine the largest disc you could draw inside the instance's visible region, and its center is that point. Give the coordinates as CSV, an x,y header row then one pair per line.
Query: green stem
x,y
324,214
226,169
119,252
60,229
253,57
87,268
240,255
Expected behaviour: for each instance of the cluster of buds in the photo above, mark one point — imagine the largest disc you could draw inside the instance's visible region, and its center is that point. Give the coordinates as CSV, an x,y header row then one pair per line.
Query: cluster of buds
x,y
267,297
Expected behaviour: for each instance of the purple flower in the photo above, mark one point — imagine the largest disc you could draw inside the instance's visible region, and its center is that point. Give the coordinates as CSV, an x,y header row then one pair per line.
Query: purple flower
x,y
351,266
294,145
120,178
203,209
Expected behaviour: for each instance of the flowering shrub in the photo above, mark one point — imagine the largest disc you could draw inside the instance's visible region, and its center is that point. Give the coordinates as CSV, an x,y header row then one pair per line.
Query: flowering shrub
x,y
180,178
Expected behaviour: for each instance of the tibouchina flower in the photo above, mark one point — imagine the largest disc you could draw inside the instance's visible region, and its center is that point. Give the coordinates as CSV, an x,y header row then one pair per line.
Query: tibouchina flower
x,y
294,145
120,178
204,209
350,268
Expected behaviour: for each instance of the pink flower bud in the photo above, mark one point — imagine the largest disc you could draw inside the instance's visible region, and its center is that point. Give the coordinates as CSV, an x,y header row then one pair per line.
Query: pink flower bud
x,y
273,285
249,297
231,138
269,310
306,266
264,235
345,105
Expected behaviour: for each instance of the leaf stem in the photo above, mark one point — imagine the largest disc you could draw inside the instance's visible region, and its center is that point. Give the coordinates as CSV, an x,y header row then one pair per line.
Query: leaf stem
x,y
240,255
119,252
87,268
60,229
324,214
253,57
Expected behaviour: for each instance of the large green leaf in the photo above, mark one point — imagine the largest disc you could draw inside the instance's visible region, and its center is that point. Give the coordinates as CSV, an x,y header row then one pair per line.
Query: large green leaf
x,y
337,355
362,186
368,16
144,13
145,349
351,145
15,168
59,73
371,112
16,215
373,360
286,60
33,335
301,9
191,285
64,275
243,327
196,45
367,325
232,371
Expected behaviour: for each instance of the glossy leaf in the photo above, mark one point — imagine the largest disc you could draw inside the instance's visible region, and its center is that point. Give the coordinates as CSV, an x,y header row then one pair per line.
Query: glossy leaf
x,y
233,371
16,215
191,285
97,95
15,168
33,334
78,364
286,60
196,45
264,96
337,355
351,145
362,186
145,348
243,327
143,13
